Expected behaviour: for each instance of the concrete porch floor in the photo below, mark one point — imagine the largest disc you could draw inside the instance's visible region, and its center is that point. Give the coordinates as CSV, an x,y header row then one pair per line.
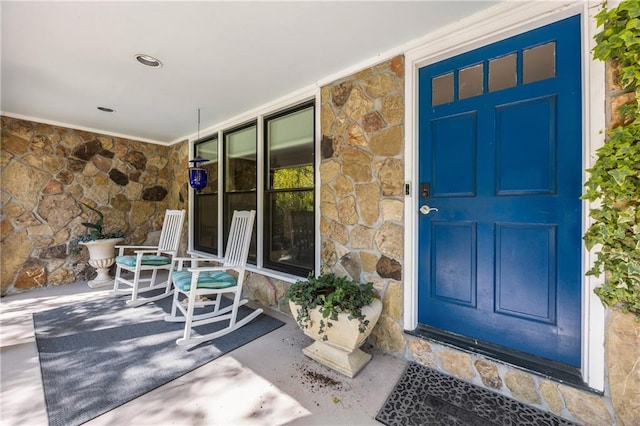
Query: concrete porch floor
x,y
273,382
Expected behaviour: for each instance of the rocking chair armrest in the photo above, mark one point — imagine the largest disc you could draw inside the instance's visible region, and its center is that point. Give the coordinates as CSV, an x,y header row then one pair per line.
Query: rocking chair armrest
x,y
194,259
123,248
210,269
150,251
182,259
136,247
179,261
202,255
199,257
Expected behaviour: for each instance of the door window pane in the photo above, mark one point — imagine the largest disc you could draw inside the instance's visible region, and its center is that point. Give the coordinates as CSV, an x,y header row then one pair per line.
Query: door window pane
x,y
442,89
470,81
502,73
539,63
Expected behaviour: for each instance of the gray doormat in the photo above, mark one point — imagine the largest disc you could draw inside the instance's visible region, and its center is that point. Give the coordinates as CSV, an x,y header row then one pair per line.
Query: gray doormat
x,y
97,355
424,396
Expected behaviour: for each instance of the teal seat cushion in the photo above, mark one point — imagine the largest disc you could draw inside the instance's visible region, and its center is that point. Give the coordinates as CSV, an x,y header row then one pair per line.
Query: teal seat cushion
x,y
206,279
146,260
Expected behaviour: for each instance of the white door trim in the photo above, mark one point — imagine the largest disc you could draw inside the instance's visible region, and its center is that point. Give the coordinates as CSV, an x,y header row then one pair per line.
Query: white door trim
x,y
484,28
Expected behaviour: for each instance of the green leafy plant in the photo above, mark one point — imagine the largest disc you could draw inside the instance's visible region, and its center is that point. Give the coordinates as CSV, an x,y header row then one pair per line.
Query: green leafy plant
x,y
331,295
96,232
614,179
619,40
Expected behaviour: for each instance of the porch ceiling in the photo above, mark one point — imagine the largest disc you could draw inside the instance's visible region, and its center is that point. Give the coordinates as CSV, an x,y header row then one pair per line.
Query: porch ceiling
x,y
62,60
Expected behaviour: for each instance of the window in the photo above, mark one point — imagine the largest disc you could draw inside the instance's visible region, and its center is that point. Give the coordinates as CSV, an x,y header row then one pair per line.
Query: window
x,y
539,63
267,165
206,202
442,89
470,81
241,172
522,67
289,234
503,72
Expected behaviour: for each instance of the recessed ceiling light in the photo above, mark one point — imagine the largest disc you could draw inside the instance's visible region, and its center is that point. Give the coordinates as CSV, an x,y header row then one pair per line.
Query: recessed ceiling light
x,y
147,60
105,109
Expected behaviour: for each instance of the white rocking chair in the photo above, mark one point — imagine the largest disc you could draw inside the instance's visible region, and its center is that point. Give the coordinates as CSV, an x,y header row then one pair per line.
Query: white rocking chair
x,y
196,283
149,258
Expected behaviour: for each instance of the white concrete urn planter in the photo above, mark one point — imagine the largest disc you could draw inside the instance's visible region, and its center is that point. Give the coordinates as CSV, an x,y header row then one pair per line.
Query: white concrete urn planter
x,y
102,254
341,351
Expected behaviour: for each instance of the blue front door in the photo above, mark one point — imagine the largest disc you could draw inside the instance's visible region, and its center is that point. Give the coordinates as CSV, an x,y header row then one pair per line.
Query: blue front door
x,y
500,149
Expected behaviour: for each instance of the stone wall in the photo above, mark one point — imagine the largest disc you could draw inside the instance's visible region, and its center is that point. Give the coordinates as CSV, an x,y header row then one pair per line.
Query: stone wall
x,y
47,171
622,344
362,187
622,338
580,406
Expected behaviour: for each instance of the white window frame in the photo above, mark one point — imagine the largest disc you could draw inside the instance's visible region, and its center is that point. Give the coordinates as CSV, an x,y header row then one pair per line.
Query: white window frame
x,y
258,115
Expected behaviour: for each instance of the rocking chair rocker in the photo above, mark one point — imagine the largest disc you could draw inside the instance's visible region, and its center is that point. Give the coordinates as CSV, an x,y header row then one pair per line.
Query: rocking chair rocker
x,y
197,283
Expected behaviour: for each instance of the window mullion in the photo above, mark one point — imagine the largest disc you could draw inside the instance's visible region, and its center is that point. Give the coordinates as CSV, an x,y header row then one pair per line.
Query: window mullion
x,y
221,171
260,190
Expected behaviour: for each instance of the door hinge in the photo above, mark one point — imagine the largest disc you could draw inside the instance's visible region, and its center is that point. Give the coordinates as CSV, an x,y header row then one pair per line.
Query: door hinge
x,y
407,188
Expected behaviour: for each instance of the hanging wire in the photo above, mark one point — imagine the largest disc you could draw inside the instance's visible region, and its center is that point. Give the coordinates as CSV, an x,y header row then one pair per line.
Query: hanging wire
x,y
198,123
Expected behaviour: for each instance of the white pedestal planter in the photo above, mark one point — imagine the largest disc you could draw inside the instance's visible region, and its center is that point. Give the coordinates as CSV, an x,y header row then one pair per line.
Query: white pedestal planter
x,y
102,255
341,351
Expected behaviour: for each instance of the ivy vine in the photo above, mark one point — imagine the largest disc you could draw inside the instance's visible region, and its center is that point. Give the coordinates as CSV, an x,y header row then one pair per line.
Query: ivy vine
x,y
614,179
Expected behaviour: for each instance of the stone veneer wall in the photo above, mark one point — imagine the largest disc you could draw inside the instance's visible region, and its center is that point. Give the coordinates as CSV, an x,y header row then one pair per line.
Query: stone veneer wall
x,y
362,187
622,344
48,170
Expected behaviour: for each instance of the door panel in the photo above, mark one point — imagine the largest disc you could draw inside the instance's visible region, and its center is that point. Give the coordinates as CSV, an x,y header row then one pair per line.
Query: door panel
x,y
528,166
454,160
500,149
526,271
453,259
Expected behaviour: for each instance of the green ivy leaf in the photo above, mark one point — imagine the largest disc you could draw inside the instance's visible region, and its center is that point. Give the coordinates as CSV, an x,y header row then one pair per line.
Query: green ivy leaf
x,y
614,179
632,7
619,175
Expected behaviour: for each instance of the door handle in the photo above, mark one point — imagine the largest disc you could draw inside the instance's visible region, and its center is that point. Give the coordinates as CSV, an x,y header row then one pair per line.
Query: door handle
x,y
426,209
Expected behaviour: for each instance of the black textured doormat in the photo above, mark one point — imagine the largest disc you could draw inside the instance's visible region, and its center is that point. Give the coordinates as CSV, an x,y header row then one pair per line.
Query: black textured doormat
x,y
424,396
